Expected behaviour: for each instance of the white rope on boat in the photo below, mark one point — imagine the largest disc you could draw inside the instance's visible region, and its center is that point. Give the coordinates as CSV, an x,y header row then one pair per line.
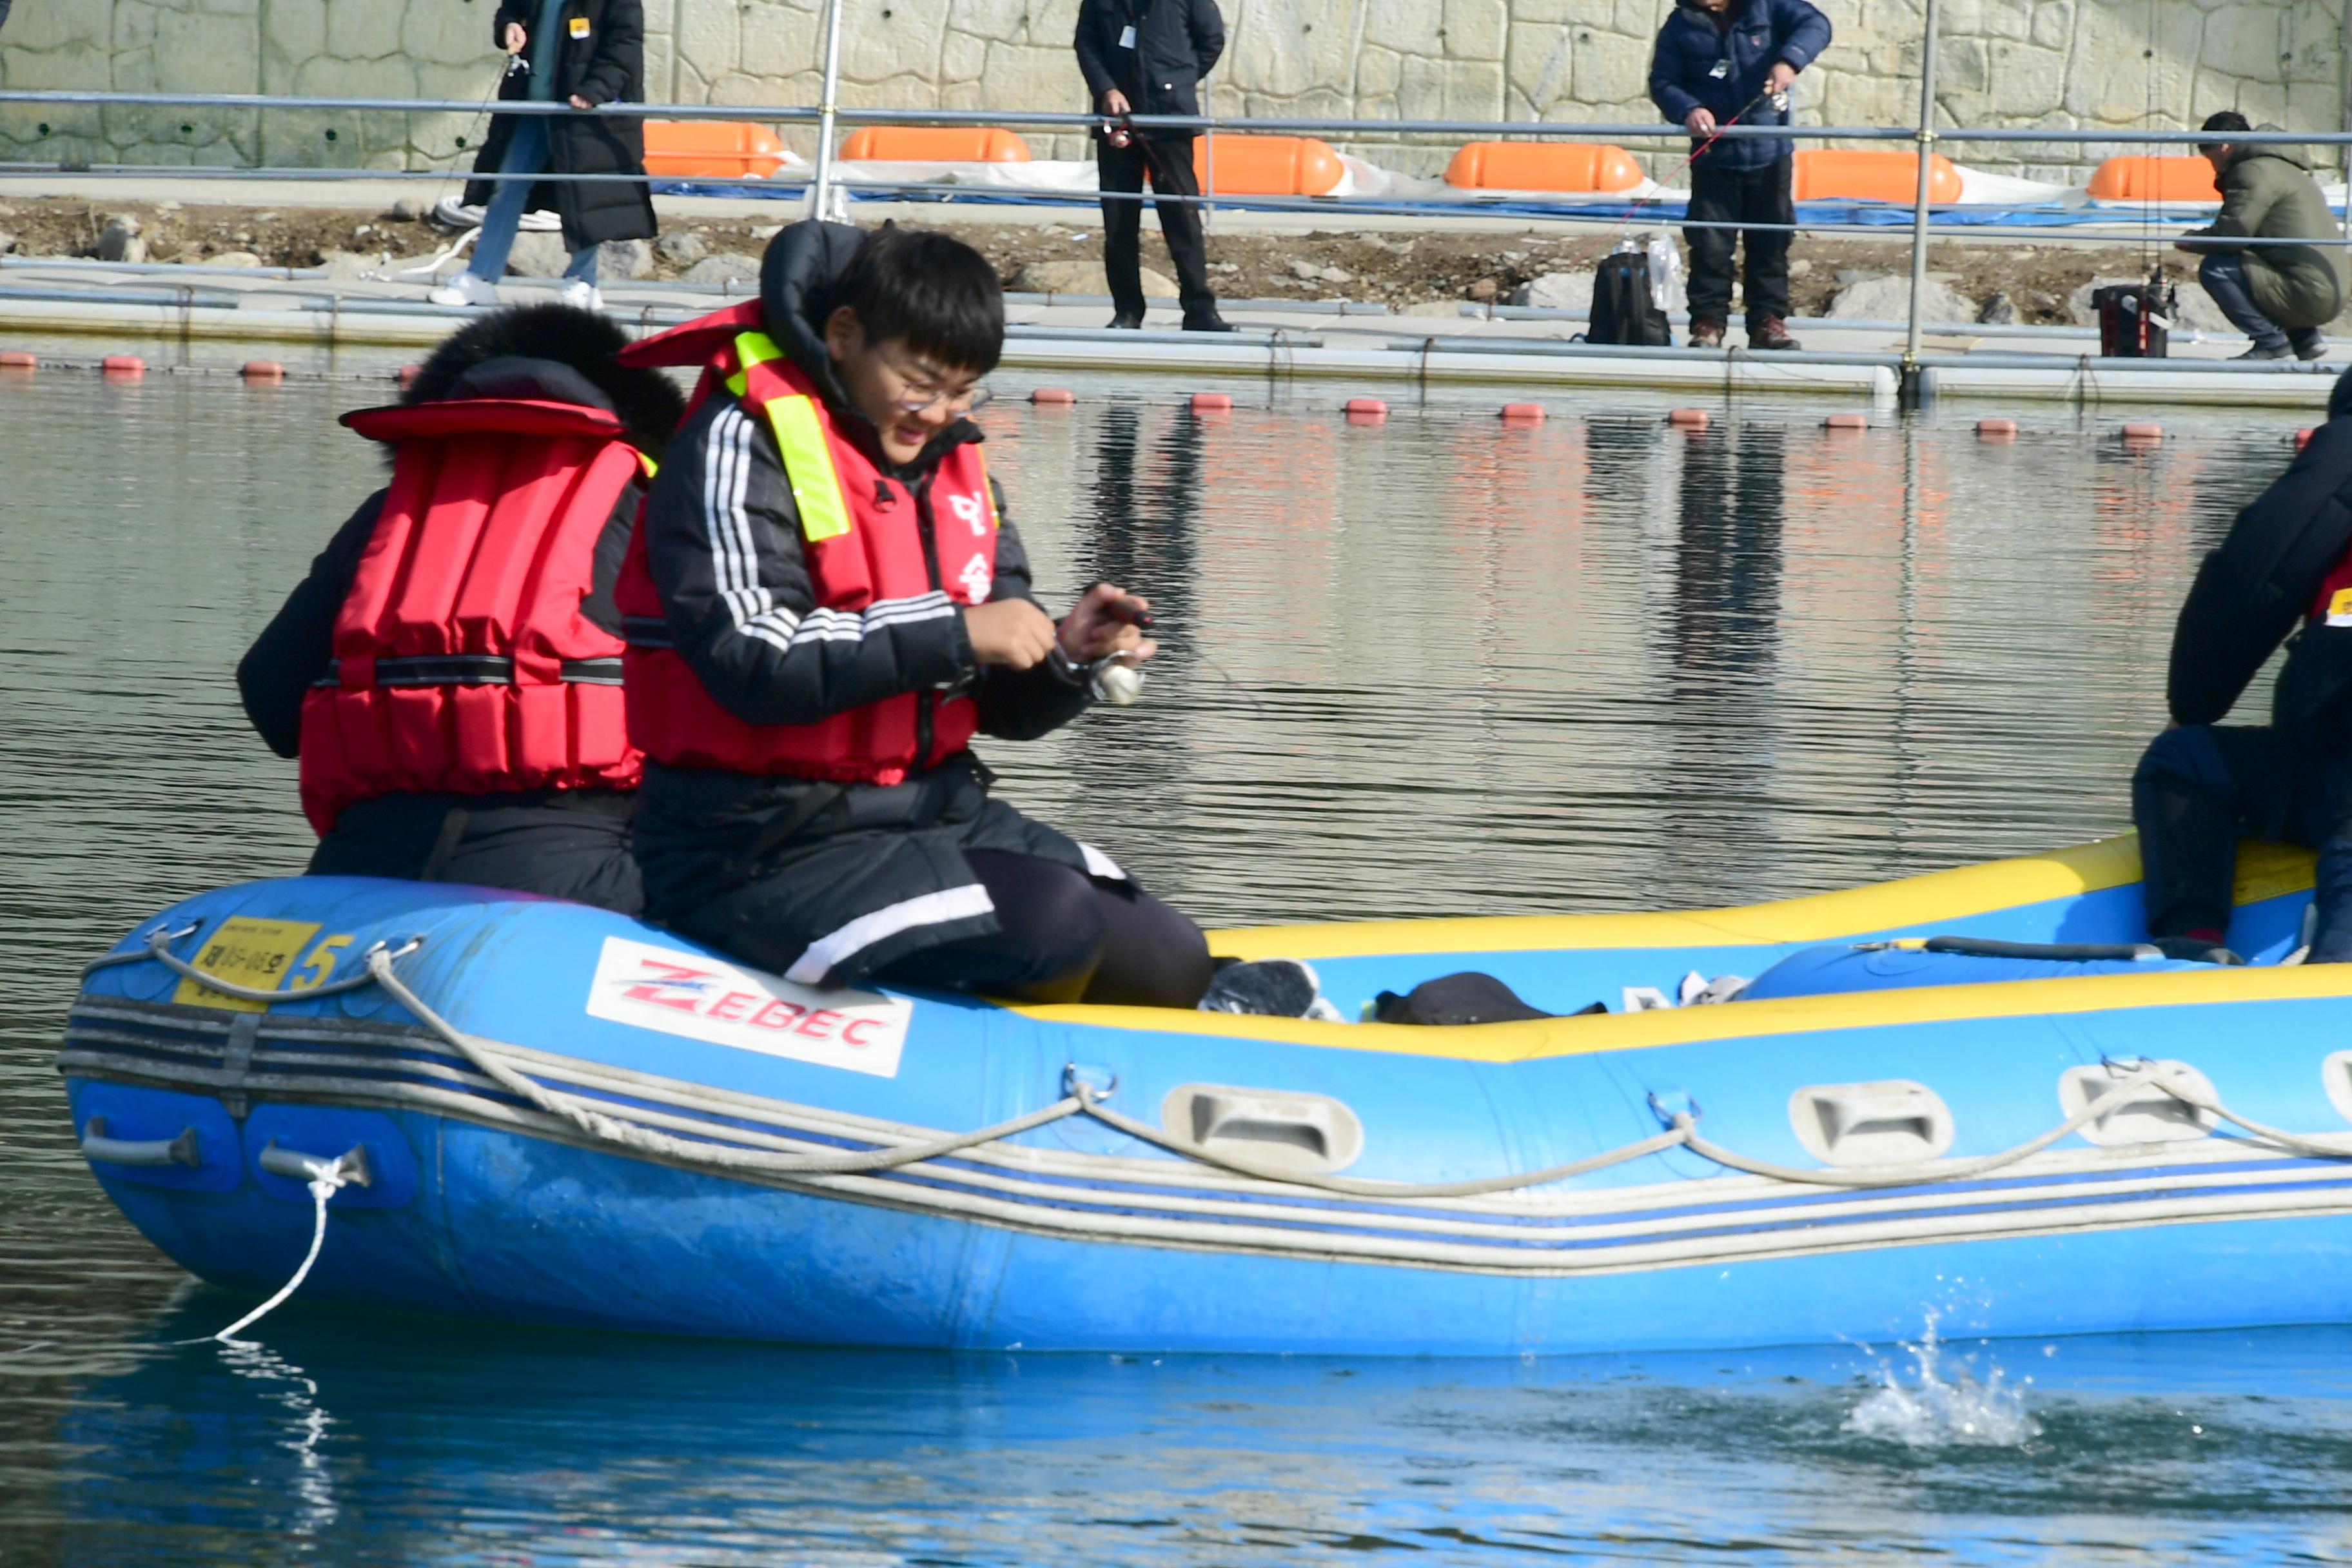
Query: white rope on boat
x,y
327,1179
597,1124
1682,1129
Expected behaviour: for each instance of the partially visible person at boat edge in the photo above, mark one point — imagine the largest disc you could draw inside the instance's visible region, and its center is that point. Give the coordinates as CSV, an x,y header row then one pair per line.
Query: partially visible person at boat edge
x,y
1717,62
457,714
582,53
824,602
2279,295
2284,568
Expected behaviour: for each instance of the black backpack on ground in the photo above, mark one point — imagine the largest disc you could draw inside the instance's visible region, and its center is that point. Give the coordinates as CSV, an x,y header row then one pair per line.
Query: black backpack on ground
x,y
2134,320
1622,309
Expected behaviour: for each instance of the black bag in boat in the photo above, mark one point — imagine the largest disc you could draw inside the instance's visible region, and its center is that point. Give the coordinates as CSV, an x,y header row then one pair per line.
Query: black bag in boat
x,y
1624,311
2135,319
1451,1000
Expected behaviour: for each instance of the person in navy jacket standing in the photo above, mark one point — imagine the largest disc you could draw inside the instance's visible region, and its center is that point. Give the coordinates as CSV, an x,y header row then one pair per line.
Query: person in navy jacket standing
x,y
1717,60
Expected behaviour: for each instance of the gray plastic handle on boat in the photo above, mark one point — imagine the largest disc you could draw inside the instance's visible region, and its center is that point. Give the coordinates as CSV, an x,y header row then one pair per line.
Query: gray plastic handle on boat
x,y
97,1145
351,1165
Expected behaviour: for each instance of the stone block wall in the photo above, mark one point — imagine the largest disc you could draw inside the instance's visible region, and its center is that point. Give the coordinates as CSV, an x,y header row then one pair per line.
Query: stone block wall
x,y
2071,64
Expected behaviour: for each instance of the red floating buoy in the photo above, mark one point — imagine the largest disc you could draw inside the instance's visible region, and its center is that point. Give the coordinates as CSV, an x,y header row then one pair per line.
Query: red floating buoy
x,y
1995,430
129,367
2302,437
264,370
1212,403
1690,419
1053,397
2143,432
1524,413
409,373
18,359
1846,422
1366,410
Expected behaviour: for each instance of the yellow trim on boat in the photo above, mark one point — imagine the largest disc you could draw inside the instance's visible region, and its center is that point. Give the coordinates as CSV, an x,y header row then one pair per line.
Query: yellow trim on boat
x,y
1581,1036
2264,871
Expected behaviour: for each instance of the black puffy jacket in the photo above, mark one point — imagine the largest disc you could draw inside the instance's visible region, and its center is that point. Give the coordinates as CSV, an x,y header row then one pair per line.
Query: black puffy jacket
x,y
2251,593
1176,43
605,64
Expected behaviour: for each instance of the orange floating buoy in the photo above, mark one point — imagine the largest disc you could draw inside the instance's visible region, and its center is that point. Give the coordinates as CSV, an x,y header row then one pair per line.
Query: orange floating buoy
x,y
1846,422
1524,413
2154,179
935,144
1995,430
1367,410
129,367
1266,167
1690,419
2302,437
263,370
713,150
1865,176
1212,403
2143,432
1053,397
18,359
1581,166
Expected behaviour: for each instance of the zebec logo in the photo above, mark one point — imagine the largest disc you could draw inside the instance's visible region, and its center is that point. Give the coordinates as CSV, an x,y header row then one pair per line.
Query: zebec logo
x,y
747,1009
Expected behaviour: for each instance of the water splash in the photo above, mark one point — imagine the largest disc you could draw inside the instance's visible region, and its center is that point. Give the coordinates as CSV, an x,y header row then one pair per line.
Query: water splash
x,y
1932,1413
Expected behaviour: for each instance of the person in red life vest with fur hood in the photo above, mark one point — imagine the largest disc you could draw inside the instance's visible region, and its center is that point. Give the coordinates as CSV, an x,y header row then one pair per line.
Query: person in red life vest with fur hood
x,y
824,602
449,673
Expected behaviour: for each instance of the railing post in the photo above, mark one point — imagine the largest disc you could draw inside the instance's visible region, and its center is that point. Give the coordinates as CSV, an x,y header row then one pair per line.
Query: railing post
x,y
1925,139
821,187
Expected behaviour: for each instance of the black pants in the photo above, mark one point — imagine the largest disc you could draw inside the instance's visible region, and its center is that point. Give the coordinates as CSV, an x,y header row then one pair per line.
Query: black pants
x,y
564,843
1170,161
1066,938
1741,195
2200,788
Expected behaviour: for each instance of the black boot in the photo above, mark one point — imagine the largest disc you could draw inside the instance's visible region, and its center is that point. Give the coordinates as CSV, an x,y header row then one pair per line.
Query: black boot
x,y
1206,321
1127,320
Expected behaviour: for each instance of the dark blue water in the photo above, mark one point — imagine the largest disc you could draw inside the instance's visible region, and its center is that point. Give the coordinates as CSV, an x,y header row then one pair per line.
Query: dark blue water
x,y
1431,668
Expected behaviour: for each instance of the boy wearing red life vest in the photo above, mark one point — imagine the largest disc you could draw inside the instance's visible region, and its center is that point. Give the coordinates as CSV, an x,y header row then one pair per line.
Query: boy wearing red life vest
x,y
449,672
824,602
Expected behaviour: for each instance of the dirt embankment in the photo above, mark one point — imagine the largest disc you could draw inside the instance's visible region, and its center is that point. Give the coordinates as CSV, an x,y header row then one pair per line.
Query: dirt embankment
x,y
1402,270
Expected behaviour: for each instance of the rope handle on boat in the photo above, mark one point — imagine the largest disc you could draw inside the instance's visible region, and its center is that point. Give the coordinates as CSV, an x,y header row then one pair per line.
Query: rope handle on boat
x,y
159,948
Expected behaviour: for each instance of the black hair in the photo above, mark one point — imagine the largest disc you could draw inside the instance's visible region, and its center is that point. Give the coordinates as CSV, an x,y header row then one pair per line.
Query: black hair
x,y
2339,401
933,291
648,403
2226,119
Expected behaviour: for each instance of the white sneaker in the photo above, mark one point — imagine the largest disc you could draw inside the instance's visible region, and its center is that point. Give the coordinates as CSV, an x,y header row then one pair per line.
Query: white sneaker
x,y
465,288
579,295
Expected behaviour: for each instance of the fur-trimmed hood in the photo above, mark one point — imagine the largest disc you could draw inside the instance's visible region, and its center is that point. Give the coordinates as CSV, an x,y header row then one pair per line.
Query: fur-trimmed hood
x,y
557,352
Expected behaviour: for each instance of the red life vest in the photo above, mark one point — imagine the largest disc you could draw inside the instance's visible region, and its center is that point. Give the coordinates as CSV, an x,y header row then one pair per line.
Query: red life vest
x,y
463,663
863,540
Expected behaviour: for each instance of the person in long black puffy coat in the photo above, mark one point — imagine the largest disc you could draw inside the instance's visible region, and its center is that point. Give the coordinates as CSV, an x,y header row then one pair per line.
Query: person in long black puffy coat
x,y
2283,572
584,53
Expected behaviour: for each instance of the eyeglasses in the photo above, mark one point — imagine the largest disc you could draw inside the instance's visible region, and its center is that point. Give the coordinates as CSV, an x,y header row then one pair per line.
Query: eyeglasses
x,y
968,400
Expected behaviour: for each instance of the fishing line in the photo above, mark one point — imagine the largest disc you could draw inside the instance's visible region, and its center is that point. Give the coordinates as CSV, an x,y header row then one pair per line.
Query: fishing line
x,y
1659,195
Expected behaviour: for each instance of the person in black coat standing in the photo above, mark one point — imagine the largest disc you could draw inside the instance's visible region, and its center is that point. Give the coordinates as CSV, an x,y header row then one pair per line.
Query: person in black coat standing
x,y
1148,56
582,53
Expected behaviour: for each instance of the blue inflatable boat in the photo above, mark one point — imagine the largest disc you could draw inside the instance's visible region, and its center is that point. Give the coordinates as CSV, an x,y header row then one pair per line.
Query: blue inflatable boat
x,y
470,1102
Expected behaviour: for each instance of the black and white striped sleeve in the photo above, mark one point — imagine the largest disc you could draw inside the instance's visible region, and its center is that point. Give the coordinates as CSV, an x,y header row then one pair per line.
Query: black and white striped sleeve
x,y
723,544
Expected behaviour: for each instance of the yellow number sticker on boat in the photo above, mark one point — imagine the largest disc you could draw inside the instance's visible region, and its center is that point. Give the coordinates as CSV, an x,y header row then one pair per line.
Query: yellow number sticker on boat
x,y
2339,608
320,965
257,954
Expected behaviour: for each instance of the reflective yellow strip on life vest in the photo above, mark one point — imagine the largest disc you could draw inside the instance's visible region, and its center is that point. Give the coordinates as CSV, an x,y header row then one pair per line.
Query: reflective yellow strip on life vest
x,y
808,465
650,466
751,349
800,440
987,490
